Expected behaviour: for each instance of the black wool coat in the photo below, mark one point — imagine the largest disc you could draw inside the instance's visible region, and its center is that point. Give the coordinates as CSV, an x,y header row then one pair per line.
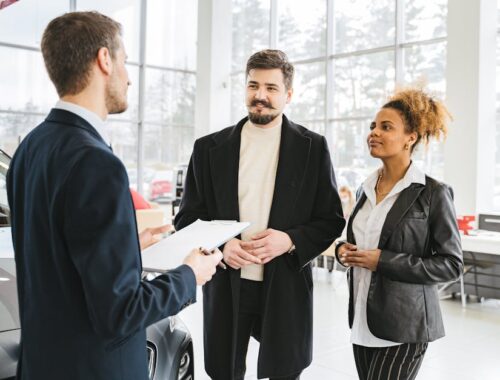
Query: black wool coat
x,y
305,205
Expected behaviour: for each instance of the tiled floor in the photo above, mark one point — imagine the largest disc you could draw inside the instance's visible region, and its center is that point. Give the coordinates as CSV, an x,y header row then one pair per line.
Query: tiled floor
x,y
470,351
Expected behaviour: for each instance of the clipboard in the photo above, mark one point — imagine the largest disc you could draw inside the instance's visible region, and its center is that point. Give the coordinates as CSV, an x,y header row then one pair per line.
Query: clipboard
x,y
171,251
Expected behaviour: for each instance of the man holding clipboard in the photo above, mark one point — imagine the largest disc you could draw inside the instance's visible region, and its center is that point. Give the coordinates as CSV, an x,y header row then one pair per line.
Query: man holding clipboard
x,y
84,307
278,176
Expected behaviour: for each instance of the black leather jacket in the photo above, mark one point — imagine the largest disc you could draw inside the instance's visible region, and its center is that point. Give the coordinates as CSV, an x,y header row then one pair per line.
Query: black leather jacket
x,y
421,247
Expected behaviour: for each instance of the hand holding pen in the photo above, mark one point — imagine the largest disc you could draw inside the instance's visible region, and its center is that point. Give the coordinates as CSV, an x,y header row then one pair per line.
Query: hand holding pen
x,y
203,265
207,253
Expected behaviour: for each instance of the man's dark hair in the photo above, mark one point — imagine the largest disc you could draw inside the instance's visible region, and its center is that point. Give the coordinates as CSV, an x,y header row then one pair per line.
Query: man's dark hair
x,y
70,44
272,59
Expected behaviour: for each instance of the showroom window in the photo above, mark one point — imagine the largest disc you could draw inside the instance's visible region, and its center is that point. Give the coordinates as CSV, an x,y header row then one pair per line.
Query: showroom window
x,y
156,133
27,93
349,55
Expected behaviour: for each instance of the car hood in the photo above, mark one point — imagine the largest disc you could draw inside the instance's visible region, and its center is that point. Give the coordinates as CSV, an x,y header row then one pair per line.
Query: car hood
x,y
6,249
9,311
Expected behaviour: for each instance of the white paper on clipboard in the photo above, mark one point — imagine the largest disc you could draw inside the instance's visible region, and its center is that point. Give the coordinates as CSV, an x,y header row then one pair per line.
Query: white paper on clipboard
x,y
170,252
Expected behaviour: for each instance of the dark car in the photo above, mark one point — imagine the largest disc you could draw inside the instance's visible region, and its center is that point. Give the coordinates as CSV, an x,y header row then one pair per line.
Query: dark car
x,y
169,344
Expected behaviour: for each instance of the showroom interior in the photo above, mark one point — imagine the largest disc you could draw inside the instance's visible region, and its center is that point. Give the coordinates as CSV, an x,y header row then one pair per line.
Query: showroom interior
x,y
186,63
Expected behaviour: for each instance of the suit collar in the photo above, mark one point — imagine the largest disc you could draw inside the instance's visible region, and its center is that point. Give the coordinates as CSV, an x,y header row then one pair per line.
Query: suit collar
x,y
90,117
73,120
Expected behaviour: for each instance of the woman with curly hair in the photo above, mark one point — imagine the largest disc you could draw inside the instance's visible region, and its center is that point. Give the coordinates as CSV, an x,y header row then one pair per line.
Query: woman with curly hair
x,y
402,240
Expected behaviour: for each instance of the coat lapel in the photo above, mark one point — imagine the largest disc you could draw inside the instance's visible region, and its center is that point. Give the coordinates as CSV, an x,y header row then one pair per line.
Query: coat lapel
x,y
357,207
403,203
292,164
224,160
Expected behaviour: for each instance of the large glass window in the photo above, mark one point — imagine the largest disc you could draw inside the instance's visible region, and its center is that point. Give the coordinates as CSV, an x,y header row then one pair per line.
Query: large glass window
x,y
350,152
424,19
127,13
132,112
23,23
170,97
238,85
171,33
363,24
250,30
308,100
170,90
361,83
427,64
302,28
375,45
26,93
169,129
165,109
123,139
25,83
14,126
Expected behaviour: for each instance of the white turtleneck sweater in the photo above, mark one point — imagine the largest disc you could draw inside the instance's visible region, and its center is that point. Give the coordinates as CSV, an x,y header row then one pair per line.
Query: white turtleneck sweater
x,y
259,153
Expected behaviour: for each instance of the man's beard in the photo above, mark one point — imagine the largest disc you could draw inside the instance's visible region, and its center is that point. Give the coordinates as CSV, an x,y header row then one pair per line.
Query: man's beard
x,y
259,118
115,102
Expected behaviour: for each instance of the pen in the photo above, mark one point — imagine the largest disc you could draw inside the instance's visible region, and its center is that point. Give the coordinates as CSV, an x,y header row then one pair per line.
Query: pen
x,y
206,253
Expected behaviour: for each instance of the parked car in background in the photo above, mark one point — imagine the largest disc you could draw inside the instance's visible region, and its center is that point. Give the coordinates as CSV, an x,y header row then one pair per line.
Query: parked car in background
x,y
160,187
169,343
147,176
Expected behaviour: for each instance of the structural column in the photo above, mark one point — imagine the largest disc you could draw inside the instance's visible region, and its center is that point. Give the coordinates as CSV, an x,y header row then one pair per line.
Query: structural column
x,y
469,165
213,67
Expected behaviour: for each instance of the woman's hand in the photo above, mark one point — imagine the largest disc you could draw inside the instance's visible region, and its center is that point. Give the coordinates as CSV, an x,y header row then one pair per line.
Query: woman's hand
x,y
360,258
345,248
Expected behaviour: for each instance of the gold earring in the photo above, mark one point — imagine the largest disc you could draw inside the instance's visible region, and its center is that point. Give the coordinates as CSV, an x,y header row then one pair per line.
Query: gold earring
x,y
407,146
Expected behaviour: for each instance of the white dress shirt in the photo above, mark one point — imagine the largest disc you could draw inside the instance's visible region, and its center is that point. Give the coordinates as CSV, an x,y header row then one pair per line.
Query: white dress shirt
x,y
367,227
90,117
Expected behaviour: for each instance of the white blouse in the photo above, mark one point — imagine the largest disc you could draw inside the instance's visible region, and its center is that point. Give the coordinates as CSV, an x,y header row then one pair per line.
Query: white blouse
x,y
367,227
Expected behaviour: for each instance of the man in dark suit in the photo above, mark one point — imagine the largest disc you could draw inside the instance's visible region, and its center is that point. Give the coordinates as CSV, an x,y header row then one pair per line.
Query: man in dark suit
x,y
83,306
277,175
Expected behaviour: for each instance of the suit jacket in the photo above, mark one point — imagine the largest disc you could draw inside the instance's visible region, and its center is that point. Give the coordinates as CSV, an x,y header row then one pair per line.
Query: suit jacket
x,y
421,247
305,205
83,306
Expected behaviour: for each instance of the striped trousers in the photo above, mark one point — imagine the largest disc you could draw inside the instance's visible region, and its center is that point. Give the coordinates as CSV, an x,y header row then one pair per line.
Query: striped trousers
x,y
400,362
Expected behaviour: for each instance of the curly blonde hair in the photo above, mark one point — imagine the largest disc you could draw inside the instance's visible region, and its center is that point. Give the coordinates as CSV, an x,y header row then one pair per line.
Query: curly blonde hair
x,y
421,113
